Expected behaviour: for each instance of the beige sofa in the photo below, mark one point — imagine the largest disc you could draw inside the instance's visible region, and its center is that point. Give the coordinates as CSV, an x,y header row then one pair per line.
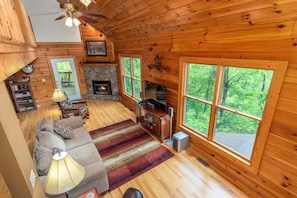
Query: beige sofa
x,y
79,146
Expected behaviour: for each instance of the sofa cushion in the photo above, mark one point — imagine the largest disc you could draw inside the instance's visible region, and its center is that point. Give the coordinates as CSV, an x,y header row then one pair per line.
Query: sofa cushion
x,y
43,158
63,130
82,137
85,154
73,121
46,125
51,140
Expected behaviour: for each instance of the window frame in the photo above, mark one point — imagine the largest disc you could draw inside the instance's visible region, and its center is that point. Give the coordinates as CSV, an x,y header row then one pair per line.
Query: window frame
x,y
252,165
122,66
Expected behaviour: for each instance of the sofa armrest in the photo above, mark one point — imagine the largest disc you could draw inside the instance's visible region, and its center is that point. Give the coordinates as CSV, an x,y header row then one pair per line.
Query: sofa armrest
x,y
73,121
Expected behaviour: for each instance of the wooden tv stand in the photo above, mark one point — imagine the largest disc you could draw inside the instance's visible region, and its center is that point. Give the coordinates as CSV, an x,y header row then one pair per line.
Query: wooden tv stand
x,y
154,120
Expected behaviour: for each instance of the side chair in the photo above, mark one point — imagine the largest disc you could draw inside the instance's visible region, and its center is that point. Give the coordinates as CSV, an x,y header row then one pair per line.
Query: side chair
x,y
74,108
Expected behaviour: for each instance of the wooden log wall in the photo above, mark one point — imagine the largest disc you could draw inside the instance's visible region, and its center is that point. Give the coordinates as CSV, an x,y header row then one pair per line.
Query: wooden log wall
x,y
17,43
264,41
89,33
43,69
43,91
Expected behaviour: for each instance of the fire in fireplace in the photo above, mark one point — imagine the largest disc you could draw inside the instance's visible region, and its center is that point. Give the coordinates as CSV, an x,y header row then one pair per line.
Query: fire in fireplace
x,y
102,87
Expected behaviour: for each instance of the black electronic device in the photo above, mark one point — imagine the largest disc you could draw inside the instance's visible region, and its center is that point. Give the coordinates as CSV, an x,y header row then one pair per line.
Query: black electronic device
x,y
170,111
156,94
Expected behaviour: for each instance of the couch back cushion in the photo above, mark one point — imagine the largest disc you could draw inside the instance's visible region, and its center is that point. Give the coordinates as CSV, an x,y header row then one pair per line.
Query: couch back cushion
x,y
51,140
46,125
43,158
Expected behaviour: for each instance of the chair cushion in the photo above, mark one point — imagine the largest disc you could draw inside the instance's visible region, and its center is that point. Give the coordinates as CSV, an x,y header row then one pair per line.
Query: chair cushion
x,y
132,193
82,109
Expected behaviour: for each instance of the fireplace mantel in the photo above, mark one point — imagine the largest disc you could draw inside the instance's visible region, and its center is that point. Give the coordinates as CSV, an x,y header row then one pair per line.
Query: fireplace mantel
x,y
89,64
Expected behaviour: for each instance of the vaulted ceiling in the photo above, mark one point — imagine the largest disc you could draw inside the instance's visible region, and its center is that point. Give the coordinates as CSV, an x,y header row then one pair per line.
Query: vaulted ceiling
x,y
143,18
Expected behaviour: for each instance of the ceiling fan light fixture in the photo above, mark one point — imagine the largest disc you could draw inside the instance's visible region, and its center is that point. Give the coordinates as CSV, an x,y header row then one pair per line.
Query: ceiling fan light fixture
x,y
87,2
76,22
69,22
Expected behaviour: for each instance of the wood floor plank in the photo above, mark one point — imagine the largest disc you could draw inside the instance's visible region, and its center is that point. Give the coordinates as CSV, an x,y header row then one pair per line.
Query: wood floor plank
x,y
180,176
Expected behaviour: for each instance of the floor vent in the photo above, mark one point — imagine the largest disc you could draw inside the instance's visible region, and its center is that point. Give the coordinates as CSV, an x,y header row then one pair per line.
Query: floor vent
x,y
204,163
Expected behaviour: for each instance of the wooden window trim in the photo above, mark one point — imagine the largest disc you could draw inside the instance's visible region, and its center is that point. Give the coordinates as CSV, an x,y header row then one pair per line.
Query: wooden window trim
x,y
223,154
121,57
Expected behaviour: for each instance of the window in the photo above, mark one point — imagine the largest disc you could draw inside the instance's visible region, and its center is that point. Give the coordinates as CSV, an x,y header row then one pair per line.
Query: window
x,y
224,102
131,76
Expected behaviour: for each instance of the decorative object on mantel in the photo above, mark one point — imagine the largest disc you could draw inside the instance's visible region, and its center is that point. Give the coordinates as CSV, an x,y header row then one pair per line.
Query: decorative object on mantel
x,y
158,65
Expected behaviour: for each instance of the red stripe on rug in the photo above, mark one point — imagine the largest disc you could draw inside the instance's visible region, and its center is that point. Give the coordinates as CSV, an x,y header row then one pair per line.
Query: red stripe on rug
x,y
151,157
129,171
111,127
121,143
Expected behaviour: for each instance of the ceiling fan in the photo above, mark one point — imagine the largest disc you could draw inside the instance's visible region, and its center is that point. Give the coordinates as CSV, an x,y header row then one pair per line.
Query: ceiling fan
x,y
73,15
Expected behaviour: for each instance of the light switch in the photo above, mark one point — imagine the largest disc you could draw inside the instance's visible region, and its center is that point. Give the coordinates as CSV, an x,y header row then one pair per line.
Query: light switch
x,y
32,178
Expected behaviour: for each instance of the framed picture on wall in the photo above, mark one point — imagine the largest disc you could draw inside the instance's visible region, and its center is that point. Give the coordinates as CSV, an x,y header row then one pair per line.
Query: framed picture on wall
x,y
96,48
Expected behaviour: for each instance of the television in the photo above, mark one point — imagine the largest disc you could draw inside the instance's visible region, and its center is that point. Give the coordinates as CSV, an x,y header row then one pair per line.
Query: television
x,y
156,94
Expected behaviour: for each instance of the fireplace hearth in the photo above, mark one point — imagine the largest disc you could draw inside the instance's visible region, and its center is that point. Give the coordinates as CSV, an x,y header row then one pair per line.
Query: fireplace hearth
x,y
102,87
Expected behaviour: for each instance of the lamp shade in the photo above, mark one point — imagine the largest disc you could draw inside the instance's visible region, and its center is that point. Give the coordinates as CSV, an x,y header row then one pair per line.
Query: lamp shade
x,y
64,174
58,96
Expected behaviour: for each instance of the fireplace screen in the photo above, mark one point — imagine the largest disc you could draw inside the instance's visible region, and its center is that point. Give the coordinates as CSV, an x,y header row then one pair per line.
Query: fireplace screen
x,y
102,87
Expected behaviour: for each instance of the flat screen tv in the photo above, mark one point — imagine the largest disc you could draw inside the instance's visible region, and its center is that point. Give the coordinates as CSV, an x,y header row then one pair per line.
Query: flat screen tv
x,y
156,94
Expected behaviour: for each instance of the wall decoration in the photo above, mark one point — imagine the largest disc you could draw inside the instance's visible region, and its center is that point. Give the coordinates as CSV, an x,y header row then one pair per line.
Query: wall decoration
x,y
28,69
96,48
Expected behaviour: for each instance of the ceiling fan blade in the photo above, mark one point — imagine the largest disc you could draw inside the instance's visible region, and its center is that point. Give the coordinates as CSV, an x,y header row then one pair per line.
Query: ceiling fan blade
x,y
87,19
94,15
60,17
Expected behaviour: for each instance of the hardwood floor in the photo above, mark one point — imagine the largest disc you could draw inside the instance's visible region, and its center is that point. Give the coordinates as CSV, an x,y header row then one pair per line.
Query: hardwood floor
x,y
182,176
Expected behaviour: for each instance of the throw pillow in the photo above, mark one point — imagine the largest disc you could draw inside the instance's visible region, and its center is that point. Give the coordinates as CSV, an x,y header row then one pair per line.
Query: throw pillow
x,y
63,130
43,158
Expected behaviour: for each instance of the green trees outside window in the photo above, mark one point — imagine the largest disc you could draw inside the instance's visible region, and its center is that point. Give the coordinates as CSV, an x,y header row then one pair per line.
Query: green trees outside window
x,y
227,100
131,67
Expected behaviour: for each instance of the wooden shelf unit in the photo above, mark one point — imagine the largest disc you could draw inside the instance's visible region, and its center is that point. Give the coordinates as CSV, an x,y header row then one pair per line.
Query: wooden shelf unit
x,y
154,120
21,94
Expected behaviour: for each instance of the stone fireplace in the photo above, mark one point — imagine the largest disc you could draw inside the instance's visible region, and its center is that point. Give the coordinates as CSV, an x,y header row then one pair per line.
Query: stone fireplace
x,y
102,82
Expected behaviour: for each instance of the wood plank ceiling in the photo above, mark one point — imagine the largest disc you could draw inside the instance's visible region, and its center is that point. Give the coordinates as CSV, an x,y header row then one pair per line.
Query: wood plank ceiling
x,y
146,18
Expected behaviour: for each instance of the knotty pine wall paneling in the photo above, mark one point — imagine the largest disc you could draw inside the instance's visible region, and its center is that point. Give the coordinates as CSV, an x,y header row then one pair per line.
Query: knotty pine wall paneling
x,y
264,41
43,70
89,33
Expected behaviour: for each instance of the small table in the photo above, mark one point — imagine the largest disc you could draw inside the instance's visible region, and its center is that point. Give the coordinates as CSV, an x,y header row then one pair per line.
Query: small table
x,y
90,194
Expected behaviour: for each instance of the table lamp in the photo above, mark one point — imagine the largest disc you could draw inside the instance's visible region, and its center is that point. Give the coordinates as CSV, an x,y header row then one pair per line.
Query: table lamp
x,y
58,97
64,174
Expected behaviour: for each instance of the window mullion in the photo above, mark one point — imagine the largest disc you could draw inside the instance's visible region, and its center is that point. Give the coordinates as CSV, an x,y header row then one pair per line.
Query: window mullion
x,y
132,76
214,105
239,113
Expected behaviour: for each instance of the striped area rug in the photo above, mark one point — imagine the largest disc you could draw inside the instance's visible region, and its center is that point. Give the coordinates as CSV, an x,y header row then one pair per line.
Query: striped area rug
x,y
127,151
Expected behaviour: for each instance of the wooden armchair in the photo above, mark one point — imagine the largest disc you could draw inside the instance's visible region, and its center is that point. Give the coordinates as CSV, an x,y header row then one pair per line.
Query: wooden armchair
x,y
75,108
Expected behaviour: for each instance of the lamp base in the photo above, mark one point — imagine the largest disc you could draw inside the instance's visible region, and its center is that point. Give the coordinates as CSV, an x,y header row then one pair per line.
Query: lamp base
x,y
67,194
169,142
